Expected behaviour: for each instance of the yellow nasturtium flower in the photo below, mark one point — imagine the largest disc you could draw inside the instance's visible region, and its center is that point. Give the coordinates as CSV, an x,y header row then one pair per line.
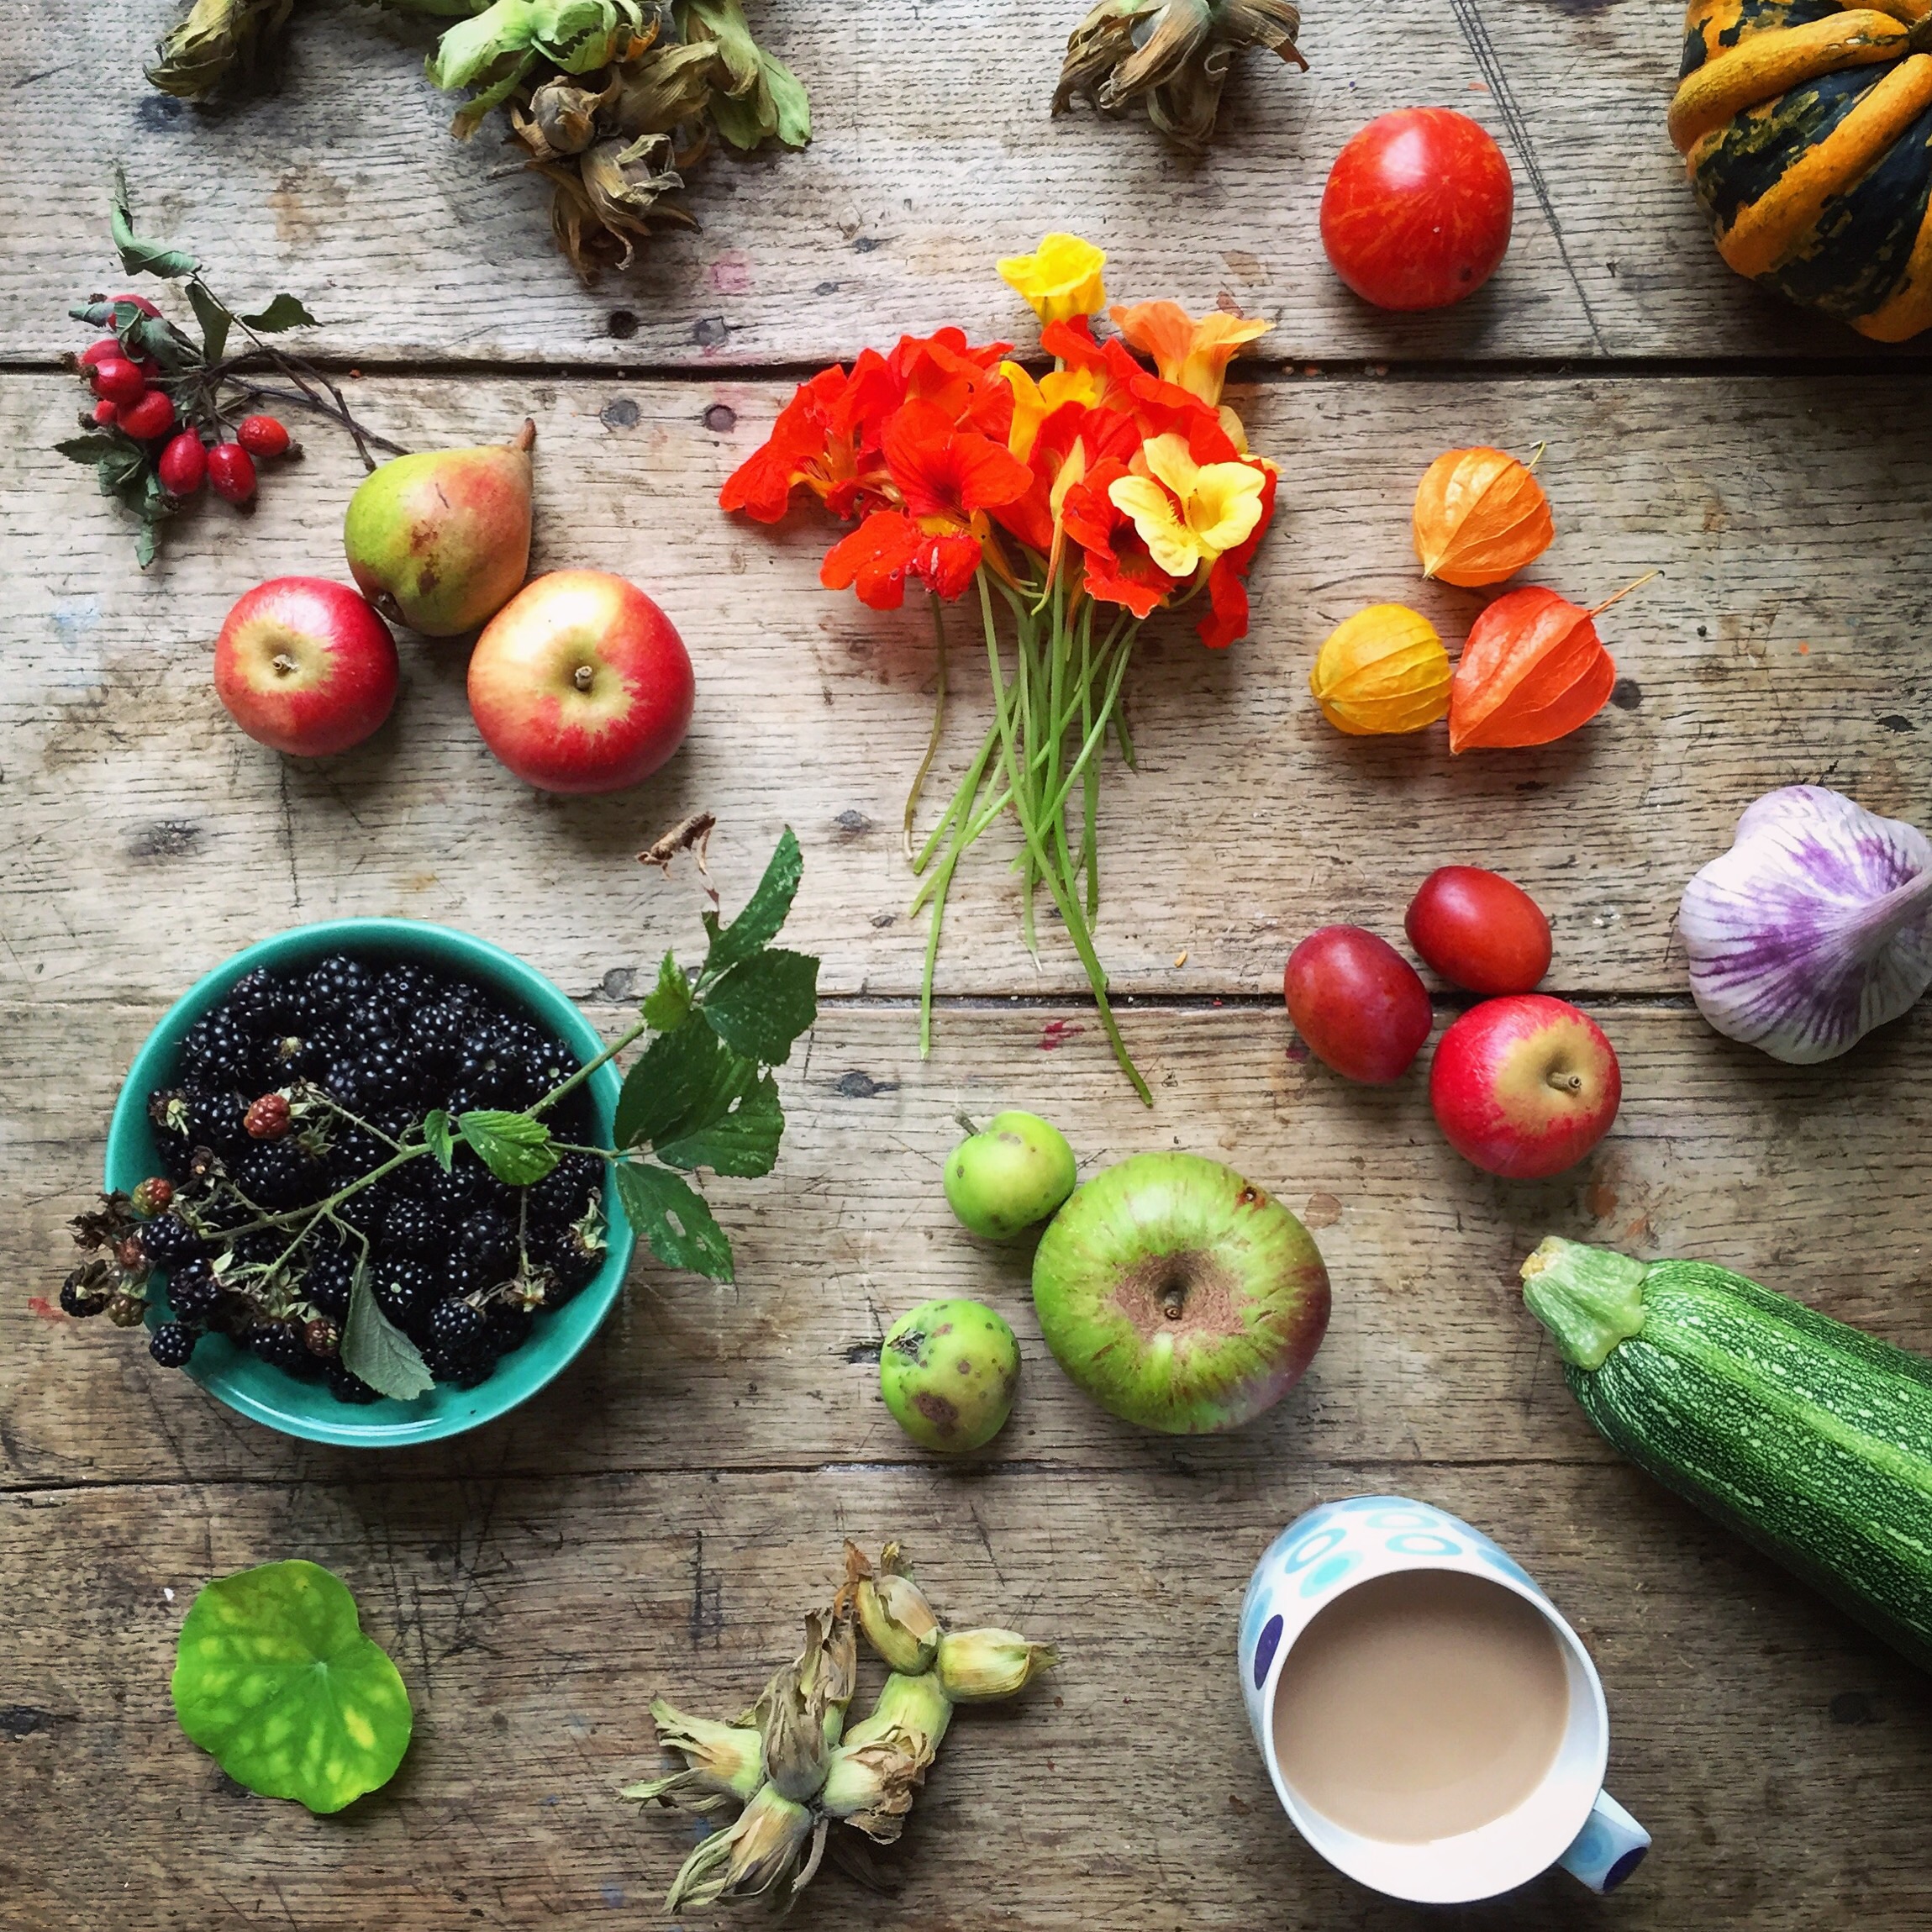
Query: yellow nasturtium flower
x,y
1382,670
1032,402
1204,510
1061,278
1194,355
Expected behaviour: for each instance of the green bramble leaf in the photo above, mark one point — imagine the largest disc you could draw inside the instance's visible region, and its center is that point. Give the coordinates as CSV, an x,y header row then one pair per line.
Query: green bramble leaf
x,y
215,321
140,257
515,1147
681,1078
284,313
274,1677
668,1005
741,1141
672,1219
762,1005
91,449
439,1139
378,1351
765,911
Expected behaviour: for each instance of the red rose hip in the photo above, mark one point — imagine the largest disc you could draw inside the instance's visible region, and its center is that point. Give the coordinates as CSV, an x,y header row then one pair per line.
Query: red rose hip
x,y
263,436
1360,1005
149,417
117,380
231,472
183,466
1479,930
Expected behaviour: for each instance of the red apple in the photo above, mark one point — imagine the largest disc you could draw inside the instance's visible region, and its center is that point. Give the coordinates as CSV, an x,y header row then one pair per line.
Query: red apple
x,y
1524,1086
579,683
305,666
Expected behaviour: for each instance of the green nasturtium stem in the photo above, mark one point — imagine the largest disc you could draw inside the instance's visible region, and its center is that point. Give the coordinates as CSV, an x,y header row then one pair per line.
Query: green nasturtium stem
x,y
938,719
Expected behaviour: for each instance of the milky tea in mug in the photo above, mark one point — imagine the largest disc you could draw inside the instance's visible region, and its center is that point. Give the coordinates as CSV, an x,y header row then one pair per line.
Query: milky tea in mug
x,y
1432,1725
1421,1704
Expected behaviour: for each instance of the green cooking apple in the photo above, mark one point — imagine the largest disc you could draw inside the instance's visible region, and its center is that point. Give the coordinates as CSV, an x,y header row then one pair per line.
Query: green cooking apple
x,y
1016,1171
948,1370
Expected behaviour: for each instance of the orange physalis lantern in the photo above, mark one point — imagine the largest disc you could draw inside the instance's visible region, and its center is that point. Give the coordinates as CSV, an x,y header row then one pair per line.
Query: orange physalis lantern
x,y
1382,670
1534,670
1480,516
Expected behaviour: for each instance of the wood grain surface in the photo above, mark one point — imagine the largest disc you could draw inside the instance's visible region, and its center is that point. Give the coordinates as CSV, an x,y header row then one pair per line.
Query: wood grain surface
x,y
661,1518
933,151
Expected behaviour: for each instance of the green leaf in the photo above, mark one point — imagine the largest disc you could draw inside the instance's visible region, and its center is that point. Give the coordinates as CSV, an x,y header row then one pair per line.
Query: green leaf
x,y
140,257
147,544
790,102
215,321
274,1677
759,1008
764,912
513,1147
682,1078
92,448
672,1219
284,313
375,1349
439,1140
742,1142
154,335
669,1004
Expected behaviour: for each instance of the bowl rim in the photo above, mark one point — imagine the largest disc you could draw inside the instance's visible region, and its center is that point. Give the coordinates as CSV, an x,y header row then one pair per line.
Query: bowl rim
x,y
455,1412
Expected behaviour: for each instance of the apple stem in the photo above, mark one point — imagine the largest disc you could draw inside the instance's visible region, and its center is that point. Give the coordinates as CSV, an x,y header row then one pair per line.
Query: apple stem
x,y
1566,1083
583,677
281,664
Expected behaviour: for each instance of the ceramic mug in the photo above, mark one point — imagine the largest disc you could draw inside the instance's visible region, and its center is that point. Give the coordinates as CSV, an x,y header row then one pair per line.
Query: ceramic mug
x,y
1568,1819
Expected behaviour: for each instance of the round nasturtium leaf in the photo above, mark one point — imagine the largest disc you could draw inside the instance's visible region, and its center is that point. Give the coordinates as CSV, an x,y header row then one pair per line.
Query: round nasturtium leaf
x,y
275,1678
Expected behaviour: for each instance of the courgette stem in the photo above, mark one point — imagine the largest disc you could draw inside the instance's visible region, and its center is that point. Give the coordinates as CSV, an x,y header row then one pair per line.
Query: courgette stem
x,y
1590,1298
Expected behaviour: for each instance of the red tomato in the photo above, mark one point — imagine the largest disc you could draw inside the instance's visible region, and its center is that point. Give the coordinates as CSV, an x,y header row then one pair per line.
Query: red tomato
x,y
1416,213
1479,930
1360,1005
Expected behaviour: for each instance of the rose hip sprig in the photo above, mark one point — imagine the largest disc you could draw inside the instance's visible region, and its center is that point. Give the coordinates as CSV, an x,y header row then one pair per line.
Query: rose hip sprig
x,y
170,415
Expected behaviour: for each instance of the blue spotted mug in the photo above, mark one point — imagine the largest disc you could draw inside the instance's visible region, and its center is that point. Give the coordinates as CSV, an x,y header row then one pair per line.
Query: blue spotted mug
x,y
1568,1819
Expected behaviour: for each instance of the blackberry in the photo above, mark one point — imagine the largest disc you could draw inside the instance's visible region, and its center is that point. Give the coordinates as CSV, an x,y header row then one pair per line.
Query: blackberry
x,y
150,1198
346,1387
268,1118
465,1370
487,1241
331,1273
257,1000
279,1344
410,1228
278,1174
563,1193
337,984
172,1343
216,1118
85,1291
299,1054
384,1074
402,988
402,1288
322,1338
507,1330
219,1049
194,1292
260,1249
168,1240
456,1325
458,1193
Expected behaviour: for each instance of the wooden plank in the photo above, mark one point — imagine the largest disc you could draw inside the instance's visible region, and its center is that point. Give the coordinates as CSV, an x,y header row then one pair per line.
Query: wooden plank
x,y
1776,1752
152,839
1811,1180
934,153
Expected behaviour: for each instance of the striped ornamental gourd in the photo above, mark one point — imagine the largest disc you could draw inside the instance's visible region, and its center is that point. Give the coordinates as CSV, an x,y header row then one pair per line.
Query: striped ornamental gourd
x,y
1806,128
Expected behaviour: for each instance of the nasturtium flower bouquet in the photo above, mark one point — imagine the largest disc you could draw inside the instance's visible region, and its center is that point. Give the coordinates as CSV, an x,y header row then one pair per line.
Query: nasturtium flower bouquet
x,y
1076,502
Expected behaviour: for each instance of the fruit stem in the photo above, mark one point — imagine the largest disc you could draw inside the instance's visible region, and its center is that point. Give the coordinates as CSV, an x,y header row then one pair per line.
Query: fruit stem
x,y
939,720
526,436
589,1068
1565,1082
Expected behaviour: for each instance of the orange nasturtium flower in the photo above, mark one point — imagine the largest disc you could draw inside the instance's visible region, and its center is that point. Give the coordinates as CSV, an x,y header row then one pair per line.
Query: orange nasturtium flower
x,y
1193,355
1061,278
1188,512
1480,516
1534,670
1382,670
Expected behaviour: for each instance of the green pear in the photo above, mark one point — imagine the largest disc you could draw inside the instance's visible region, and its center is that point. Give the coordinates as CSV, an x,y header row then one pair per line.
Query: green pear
x,y
441,541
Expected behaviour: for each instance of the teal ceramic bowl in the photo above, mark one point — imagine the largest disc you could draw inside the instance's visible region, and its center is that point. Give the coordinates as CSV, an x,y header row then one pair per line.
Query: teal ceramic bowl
x,y
266,1394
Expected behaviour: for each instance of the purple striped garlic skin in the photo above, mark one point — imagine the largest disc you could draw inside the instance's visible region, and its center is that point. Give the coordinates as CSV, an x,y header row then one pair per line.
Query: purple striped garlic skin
x,y
1815,926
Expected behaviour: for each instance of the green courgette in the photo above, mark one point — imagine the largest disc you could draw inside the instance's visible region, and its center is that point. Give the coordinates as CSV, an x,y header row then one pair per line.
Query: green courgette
x,y
1808,1437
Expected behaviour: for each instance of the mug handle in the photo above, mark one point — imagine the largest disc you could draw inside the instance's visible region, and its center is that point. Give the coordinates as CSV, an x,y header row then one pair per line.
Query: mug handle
x,y
1608,1849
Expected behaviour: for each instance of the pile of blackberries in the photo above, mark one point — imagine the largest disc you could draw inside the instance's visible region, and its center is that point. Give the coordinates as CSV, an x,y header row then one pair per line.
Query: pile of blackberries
x,y
297,1084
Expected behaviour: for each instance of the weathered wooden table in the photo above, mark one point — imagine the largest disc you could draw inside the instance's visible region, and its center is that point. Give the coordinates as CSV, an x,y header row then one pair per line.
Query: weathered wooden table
x,y
661,1518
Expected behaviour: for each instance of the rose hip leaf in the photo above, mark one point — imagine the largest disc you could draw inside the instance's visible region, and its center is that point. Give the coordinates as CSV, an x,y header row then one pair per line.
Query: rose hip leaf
x,y
514,1147
285,312
764,912
668,1004
680,1078
761,1006
91,449
439,1139
215,321
274,1677
140,257
742,1141
378,1351
673,1220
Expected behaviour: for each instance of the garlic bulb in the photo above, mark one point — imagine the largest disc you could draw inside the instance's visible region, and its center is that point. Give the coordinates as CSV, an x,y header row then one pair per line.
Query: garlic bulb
x,y
1815,926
